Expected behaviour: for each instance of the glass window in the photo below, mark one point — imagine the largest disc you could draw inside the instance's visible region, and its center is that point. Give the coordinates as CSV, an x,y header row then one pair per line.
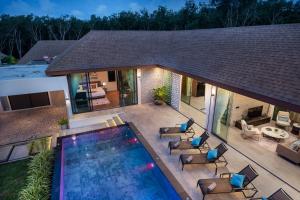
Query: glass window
x,y
222,113
79,92
127,87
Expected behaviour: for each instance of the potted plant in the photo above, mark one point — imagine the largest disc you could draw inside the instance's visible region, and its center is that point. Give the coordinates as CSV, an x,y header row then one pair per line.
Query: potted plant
x,y
63,122
160,95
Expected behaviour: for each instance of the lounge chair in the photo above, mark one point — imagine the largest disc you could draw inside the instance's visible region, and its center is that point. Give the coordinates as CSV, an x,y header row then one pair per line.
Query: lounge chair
x,y
278,195
223,184
175,131
202,158
186,145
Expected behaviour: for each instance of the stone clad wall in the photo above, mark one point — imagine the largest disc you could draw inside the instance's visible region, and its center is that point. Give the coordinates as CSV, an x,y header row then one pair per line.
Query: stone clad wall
x,y
176,90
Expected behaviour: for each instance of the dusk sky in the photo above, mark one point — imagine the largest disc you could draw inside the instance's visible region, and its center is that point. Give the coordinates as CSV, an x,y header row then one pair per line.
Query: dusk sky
x,y
82,8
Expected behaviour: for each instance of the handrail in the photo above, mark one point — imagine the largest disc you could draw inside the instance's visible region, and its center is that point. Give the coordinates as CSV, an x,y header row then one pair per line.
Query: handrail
x,y
24,141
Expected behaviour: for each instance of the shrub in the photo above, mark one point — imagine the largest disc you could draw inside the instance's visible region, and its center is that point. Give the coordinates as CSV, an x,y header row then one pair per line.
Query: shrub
x,y
160,94
39,145
10,60
63,121
39,177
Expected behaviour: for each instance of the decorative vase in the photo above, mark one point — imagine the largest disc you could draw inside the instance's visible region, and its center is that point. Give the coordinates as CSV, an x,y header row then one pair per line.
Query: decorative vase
x,y
64,126
158,102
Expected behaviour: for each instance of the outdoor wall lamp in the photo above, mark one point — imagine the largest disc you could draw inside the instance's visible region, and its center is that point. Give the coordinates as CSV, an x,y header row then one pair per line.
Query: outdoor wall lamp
x,y
213,90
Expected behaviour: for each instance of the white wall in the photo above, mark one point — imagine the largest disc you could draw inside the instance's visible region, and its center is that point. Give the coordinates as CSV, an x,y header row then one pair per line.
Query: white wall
x,y
176,91
241,104
150,78
35,85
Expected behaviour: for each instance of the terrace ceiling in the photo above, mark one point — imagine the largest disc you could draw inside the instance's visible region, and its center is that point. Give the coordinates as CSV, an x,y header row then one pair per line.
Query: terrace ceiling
x,y
262,62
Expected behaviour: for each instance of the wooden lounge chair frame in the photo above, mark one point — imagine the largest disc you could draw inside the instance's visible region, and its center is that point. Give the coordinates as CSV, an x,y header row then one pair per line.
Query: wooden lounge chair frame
x,y
189,129
248,185
279,194
220,158
203,144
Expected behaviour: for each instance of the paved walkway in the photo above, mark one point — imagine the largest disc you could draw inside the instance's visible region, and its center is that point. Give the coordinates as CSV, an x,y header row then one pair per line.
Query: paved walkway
x,y
24,124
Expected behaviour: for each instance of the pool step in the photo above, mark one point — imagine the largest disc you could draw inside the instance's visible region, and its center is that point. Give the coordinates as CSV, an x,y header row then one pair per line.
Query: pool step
x,y
118,120
111,122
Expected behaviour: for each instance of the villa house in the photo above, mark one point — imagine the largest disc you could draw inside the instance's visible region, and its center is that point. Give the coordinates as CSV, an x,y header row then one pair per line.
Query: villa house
x,y
216,76
212,70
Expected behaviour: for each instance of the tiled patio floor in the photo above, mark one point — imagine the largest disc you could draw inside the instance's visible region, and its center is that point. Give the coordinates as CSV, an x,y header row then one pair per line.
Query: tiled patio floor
x,y
148,119
21,125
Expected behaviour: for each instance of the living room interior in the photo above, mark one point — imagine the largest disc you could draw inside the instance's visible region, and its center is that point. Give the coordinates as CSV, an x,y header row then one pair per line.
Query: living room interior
x,y
259,129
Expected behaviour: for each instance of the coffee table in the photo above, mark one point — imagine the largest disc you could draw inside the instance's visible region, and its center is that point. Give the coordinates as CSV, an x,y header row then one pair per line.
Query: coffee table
x,y
275,133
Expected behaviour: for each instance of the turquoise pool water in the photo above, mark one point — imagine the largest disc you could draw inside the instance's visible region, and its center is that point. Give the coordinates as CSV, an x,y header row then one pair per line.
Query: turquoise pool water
x,y
110,164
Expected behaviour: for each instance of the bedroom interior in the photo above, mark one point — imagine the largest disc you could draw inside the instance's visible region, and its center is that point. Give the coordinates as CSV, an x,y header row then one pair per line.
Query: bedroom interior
x,y
102,90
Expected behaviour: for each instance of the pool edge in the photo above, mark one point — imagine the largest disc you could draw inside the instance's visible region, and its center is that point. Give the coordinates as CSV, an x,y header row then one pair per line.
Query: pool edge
x,y
56,179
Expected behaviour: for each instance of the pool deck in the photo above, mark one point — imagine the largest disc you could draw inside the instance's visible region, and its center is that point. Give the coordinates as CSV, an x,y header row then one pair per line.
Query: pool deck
x,y
149,118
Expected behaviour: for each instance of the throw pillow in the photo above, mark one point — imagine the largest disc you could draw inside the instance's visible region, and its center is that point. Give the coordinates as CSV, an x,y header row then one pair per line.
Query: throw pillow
x,y
283,118
212,154
237,180
189,159
196,141
183,127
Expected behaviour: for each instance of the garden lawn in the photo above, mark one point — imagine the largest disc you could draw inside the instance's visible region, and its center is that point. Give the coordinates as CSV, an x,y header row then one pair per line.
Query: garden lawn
x,y
13,179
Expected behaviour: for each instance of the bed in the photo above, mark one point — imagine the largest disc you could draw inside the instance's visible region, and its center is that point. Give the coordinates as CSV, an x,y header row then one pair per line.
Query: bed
x,y
96,92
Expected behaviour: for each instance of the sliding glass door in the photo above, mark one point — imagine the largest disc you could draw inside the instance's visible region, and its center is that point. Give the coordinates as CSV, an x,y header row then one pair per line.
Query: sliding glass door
x,y
80,92
102,90
222,113
186,89
127,87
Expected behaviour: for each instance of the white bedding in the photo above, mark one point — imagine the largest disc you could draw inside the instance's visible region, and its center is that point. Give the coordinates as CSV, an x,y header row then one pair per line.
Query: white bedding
x,y
98,92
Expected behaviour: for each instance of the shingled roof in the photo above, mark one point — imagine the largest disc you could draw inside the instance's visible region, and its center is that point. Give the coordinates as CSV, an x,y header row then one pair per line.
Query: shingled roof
x,y
50,48
262,62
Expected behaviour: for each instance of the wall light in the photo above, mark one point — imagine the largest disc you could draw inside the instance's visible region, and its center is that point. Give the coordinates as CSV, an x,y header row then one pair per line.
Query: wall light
x,y
139,73
213,90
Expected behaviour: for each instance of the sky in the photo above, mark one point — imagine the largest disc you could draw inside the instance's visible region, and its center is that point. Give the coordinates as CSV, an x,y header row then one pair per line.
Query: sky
x,y
83,9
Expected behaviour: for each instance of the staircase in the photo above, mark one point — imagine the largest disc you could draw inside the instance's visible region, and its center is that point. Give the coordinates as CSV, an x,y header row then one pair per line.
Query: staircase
x,y
115,121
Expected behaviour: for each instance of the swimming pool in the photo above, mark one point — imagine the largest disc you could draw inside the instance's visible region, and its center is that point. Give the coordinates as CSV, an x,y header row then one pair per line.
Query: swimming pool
x,y
109,164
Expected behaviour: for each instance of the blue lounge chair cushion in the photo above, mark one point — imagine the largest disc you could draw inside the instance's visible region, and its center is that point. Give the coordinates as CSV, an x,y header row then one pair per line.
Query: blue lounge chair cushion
x,y
212,154
183,127
196,141
237,180
264,198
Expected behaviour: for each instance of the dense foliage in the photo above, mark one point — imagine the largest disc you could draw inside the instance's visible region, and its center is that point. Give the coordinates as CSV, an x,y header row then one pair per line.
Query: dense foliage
x,y
20,33
39,177
160,94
